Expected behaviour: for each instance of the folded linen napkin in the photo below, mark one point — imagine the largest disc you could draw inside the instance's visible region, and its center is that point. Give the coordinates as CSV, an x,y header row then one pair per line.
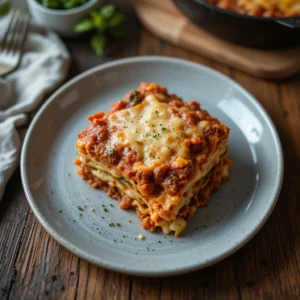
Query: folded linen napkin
x,y
44,66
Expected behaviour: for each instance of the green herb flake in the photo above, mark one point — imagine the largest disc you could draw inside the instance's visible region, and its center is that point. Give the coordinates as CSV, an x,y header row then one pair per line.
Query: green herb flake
x,y
111,224
60,211
110,151
107,11
84,25
118,224
135,97
105,209
80,208
111,205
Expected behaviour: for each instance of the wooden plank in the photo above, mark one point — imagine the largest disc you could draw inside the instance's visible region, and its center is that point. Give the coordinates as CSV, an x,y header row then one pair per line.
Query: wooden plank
x,y
43,267
96,283
13,215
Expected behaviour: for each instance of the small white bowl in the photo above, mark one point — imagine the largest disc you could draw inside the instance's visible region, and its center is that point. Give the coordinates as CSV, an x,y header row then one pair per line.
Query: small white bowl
x,y
60,20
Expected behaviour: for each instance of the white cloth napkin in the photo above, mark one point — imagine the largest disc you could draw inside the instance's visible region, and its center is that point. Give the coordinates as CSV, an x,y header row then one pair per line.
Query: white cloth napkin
x,y
44,66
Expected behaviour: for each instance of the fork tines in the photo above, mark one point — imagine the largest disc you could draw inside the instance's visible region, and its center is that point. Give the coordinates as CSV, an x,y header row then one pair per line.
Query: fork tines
x,y
14,37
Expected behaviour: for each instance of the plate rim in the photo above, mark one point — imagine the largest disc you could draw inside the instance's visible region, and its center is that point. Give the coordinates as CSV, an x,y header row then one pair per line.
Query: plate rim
x,y
177,270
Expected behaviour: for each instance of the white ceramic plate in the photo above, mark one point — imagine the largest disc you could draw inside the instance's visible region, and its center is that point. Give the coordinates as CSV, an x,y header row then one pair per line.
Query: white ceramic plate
x,y
235,212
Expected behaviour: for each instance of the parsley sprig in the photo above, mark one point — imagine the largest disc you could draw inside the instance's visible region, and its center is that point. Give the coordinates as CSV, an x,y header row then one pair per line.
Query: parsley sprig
x,y
104,22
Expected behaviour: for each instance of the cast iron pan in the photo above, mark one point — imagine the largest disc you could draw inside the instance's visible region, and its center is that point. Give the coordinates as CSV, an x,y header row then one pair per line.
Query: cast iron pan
x,y
257,32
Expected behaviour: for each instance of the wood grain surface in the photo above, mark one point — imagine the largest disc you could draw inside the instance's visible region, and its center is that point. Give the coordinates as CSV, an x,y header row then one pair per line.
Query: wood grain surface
x,y
34,266
164,20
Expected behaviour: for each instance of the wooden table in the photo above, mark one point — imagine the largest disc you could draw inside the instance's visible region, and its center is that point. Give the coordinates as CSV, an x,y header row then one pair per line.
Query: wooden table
x,y
34,266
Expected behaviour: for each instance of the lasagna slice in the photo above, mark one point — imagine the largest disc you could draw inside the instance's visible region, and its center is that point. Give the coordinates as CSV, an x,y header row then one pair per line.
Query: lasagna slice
x,y
157,154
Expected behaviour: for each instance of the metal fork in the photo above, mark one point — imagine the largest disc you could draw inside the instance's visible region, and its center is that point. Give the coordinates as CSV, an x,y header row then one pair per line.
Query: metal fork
x,y
11,46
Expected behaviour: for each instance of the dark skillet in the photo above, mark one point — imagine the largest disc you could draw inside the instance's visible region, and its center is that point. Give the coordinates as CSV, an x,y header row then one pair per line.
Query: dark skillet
x,y
257,32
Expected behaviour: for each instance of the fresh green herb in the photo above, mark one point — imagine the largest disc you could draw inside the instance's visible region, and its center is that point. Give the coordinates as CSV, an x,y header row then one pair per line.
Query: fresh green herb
x,y
111,224
60,211
111,205
106,22
98,43
118,224
135,97
80,215
105,209
62,4
102,217
80,208
108,11
110,151
115,241
4,8
116,20
159,242
84,25
163,129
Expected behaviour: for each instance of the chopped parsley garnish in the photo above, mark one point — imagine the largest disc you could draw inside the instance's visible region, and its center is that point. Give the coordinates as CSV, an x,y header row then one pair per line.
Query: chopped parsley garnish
x,y
118,224
80,208
80,215
102,217
105,209
115,241
111,224
159,242
60,211
135,97
163,129
111,205
110,151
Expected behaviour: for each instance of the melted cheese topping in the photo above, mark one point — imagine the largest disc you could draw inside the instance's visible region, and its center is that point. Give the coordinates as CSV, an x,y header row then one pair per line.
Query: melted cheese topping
x,y
148,129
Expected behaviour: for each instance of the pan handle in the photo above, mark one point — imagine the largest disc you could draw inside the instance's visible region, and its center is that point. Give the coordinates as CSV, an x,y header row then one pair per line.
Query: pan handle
x,y
290,22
